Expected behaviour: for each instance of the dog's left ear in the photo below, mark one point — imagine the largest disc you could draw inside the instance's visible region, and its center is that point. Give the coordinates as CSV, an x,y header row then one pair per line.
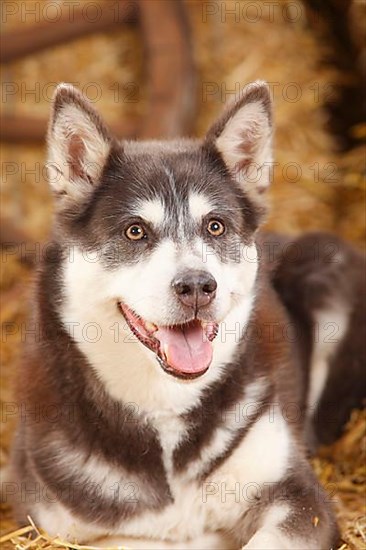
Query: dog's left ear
x,y
243,138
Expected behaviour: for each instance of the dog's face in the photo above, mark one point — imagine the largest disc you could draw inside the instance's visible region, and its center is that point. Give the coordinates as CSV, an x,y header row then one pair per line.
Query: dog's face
x,y
162,233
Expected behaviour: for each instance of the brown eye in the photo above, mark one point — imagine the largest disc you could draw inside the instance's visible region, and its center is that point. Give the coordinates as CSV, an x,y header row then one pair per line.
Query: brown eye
x,y
135,232
216,228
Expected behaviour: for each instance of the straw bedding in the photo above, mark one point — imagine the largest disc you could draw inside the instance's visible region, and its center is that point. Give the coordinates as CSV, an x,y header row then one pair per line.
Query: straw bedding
x,y
315,186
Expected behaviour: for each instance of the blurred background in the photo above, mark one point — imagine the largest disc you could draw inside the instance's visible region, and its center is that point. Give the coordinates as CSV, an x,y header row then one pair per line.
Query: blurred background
x,y
165,68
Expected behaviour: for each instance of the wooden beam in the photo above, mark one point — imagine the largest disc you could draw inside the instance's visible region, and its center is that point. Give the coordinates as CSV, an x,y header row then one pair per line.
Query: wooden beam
x,y
170,69
29,40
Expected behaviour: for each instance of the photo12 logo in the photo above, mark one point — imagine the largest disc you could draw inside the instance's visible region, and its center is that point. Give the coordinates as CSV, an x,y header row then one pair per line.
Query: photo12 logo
x,y
68,11
36,92
251,12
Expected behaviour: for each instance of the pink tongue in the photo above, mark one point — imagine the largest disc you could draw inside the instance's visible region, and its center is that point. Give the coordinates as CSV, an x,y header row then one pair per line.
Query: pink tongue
x,y
186,349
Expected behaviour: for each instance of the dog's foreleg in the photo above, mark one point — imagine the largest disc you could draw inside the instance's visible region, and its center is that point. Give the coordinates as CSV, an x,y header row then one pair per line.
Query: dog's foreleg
x,y
296,517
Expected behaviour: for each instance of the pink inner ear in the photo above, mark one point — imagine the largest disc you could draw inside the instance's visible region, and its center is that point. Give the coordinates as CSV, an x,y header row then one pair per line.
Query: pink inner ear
x,y
247,149
76,155
247,146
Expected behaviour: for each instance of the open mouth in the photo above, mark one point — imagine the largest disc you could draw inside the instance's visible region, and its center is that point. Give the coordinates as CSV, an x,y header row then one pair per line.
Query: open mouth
x,y
185,350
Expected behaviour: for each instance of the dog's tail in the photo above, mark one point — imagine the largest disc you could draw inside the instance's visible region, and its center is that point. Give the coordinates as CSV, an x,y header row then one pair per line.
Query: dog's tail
x,y
321,281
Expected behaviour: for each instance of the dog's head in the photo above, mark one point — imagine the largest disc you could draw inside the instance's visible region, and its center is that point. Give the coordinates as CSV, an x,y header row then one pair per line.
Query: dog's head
x,y
162,233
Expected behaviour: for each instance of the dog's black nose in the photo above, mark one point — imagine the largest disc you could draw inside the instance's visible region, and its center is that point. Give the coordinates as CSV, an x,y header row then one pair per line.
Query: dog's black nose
x,y
195,288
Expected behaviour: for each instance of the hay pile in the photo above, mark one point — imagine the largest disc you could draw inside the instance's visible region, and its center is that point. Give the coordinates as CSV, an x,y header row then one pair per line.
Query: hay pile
x,y
326,194
310,176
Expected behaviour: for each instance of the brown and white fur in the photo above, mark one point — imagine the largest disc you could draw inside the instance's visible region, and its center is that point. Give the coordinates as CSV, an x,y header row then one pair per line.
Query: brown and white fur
x,y
120,444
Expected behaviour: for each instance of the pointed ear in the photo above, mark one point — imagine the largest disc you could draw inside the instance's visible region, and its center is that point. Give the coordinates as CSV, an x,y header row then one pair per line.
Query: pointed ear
x,y
78,146
243,137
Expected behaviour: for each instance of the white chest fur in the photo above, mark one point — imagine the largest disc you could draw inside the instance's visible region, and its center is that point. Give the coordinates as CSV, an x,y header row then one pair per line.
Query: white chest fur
x,y
216,503
199,508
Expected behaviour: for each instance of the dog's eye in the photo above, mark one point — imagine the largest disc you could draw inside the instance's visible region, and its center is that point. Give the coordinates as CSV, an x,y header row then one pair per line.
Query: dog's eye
x,y
216,228
135,232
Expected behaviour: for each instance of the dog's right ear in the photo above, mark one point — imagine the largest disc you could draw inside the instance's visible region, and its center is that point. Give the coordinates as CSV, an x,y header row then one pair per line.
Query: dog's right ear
x,y
78,146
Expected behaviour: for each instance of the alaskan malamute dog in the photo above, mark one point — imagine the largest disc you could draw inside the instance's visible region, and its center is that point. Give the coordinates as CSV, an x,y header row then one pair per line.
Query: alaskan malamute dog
x,y
186,361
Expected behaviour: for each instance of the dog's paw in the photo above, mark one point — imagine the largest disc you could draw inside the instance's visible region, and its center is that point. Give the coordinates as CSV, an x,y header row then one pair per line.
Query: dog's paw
x,y
266,541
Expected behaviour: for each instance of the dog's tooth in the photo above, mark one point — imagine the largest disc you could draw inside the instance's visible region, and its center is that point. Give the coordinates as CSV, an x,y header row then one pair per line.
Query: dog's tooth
x,y
166,353
211,329
151,327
